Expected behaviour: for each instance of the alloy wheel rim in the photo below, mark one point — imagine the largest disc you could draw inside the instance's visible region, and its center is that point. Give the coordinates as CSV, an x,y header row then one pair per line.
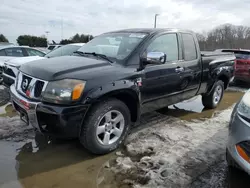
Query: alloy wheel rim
x,y
110,127
217,94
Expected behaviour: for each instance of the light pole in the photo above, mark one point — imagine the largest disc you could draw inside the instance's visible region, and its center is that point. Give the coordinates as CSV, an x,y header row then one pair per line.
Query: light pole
x,y
155,19
47,32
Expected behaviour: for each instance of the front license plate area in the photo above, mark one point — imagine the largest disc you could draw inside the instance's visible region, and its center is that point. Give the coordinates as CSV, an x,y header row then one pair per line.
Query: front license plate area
x,y
23,114
24,117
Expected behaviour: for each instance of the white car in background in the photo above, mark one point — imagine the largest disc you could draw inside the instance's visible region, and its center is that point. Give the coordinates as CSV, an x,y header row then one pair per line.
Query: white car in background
x,y
12,65
53,47
8,52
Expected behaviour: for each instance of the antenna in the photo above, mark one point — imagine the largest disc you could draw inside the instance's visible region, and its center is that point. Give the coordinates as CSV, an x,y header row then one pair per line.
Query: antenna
x,y
61,28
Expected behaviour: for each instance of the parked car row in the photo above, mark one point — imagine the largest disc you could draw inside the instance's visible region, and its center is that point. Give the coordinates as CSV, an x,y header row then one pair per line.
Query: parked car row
x,y
242,64
8,52
11,65
101,90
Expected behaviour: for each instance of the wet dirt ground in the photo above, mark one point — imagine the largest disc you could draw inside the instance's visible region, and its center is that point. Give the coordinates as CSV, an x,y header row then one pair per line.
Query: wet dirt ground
x,y
34,161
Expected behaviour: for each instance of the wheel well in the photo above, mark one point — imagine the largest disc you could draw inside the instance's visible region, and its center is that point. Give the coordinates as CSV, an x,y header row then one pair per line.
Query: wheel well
x,y
129,98
225,79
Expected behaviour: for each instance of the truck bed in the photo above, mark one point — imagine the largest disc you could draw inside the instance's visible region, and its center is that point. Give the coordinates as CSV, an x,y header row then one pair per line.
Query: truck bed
x,y
209,58
214,53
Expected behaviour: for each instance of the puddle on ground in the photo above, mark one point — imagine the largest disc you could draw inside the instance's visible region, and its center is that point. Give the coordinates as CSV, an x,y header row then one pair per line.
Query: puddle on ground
x,y
45,164
7,111
193,108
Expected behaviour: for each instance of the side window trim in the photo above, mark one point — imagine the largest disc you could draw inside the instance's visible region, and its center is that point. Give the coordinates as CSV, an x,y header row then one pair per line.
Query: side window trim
x,y
180,47
25,53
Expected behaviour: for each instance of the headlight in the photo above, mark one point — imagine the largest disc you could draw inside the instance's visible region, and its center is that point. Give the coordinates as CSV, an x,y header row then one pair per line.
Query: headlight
x,y
244,105
64,91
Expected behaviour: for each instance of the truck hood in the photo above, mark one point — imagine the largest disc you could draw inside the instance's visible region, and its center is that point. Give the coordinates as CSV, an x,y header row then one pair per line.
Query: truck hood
x,y
18,61
66,67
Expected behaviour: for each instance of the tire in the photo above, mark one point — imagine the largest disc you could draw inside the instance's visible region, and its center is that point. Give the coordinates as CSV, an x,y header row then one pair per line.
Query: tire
x,y
210,101
230,161
99,117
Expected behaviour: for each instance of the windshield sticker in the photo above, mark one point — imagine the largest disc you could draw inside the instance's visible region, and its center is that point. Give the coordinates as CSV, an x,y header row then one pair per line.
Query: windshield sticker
x,y
137,35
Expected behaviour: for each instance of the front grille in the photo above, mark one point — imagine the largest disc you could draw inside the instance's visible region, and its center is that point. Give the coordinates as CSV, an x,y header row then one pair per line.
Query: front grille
x,y
9,72
38,88
29,86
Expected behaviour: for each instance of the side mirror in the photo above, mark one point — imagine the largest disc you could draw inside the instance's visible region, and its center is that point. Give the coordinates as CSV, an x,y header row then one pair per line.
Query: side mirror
x,y
155,58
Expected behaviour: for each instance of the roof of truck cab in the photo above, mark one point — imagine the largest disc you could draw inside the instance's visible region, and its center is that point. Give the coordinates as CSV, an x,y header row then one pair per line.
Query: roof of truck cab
x,y
149,30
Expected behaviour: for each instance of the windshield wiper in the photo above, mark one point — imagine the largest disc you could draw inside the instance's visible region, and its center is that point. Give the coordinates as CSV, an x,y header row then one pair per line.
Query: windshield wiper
x,y
94,54
79,53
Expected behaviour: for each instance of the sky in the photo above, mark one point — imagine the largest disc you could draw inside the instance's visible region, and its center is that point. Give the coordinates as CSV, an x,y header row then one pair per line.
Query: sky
x,y
63,19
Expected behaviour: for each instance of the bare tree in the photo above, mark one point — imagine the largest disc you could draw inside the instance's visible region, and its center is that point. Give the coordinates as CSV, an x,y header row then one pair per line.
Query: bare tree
x,y
225,36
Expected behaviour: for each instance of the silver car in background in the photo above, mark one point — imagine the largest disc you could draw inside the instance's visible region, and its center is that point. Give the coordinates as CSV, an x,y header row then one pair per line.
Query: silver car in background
x,y
238,147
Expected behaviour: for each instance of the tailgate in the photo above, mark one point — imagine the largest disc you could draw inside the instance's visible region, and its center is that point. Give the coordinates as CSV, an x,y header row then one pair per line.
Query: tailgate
x,y
242,67
242,63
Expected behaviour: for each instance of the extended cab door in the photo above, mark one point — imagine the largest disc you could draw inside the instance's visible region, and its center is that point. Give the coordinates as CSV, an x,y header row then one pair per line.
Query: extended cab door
x,y
160,83
191,67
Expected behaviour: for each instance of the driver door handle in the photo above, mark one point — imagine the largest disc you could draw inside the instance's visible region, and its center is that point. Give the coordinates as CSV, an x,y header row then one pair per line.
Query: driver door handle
x,y
179,69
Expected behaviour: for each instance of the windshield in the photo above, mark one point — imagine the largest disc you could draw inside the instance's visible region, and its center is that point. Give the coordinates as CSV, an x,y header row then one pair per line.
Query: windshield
x,y
63,51
114,45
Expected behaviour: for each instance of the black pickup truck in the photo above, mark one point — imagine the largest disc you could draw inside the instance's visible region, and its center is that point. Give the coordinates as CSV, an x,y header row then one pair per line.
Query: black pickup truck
x,y
100,91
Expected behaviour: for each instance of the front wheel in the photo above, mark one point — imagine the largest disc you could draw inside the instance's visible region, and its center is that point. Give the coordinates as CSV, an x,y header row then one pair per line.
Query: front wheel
x,y
106,126
213,99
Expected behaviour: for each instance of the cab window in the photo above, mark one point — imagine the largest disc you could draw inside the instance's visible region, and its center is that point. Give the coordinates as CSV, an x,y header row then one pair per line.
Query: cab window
x,y
190,52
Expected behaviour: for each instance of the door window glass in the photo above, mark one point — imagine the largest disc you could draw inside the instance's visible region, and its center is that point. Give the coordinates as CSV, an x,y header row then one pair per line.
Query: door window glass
x,y
15,52
2,53
32,52
167,44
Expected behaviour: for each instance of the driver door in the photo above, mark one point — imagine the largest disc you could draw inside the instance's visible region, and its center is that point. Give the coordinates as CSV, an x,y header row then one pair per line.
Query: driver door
x,y
161,82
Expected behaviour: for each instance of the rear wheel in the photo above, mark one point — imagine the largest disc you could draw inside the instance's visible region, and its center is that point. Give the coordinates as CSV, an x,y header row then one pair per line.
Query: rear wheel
x,y
106,126
213,99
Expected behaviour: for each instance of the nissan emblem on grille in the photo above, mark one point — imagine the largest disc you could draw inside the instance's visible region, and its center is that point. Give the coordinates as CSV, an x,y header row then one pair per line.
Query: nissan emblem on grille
x,y
25,84
29,86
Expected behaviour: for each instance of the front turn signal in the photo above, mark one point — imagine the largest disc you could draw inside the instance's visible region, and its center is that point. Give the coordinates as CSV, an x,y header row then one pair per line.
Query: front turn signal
x,y
243,154
77,91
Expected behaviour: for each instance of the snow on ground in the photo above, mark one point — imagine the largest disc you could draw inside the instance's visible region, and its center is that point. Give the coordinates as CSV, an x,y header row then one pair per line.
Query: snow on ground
x,y
12,128
174,152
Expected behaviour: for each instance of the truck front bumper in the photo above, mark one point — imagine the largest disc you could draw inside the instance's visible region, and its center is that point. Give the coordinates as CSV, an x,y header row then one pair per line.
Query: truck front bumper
x,y
55,120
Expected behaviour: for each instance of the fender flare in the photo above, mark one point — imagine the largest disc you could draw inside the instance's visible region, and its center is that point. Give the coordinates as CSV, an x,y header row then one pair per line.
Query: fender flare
x,y
113,88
